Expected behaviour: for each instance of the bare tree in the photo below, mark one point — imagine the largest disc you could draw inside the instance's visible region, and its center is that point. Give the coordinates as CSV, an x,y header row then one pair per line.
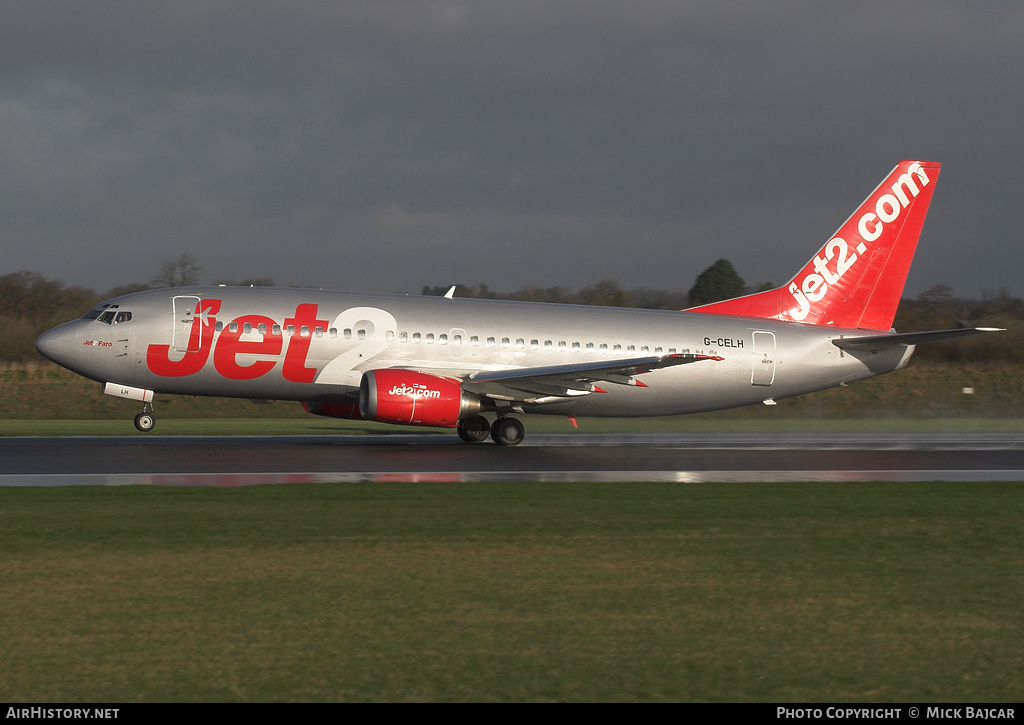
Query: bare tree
x,y
181,272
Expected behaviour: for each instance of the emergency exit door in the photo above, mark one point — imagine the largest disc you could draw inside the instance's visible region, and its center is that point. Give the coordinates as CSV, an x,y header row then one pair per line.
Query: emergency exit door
x,y
763,371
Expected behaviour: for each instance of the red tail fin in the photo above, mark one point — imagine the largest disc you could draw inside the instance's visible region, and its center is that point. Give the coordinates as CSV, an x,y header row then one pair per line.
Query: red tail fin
x,y
857,278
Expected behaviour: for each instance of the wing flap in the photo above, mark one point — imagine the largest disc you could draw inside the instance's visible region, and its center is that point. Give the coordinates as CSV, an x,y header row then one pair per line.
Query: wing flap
x,y
563,381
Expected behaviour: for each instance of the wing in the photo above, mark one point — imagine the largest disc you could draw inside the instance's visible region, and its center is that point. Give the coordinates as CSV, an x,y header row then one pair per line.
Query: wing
x,y
553,382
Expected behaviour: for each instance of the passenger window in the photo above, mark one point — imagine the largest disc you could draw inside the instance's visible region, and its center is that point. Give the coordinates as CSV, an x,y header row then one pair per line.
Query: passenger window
x,y
403,336
474,341
304,331
575,347
389,335
347,333
631,349
415,337
247,328
430,338
548,345
232,327
505,344
361,334
456,339
262,328
333,333
290,329
490,342
276,330
219,326
534,344
442,339
617,348
319,331
520,343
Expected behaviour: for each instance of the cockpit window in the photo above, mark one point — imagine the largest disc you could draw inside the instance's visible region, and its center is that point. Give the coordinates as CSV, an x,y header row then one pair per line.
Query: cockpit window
x,y
109,317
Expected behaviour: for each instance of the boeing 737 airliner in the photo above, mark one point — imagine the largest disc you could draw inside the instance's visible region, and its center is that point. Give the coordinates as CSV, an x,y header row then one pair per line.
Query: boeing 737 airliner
x,y
445,361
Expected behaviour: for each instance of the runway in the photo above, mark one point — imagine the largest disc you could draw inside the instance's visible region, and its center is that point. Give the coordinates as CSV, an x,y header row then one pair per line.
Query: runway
x,y
247,460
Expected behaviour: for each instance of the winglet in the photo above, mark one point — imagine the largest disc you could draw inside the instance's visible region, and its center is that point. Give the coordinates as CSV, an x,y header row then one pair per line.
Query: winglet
x,y
856,279
450,294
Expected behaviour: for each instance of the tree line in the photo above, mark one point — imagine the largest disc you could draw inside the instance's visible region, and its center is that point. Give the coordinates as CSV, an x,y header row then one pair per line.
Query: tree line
x,y
31,304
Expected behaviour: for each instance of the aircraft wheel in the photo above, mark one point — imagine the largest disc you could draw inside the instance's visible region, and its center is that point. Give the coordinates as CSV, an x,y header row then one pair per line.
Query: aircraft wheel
x,y
508,432
145,422
474,430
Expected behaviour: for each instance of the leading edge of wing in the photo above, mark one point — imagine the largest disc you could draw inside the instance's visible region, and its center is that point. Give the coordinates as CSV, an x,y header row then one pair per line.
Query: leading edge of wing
x,y
576,378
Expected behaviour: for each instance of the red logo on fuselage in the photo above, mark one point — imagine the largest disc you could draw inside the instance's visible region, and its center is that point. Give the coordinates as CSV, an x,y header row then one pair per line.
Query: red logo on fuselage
x,y
228,345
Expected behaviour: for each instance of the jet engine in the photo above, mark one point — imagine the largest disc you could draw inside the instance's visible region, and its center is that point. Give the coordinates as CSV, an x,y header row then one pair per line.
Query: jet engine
x,y
408,397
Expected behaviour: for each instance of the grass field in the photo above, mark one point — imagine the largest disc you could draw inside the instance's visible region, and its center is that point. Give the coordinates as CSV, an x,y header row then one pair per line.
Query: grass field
x,y
738,592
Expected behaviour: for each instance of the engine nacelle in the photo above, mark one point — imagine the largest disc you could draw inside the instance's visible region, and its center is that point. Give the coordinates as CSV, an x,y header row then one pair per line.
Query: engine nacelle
x,y
407,397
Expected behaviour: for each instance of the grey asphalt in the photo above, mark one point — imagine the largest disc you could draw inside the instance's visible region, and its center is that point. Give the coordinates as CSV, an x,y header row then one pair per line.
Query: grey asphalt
x,y
246,460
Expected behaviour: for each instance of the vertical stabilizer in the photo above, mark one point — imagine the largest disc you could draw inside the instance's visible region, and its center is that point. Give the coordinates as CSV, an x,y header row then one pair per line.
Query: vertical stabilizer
x,y
857,278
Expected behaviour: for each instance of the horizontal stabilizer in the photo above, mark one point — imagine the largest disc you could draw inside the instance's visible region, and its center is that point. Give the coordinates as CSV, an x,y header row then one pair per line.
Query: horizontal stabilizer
x,y
887,342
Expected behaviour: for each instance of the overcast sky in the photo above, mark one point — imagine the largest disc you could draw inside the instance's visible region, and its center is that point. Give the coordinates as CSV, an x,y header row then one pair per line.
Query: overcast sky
x,y
390,145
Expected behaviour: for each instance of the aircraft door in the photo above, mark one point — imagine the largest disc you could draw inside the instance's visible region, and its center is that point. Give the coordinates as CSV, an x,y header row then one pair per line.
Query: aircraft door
x,y
184,314
457,342
763,371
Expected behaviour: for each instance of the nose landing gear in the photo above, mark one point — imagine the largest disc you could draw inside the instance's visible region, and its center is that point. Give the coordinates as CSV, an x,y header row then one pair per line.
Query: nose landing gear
x,y
145,421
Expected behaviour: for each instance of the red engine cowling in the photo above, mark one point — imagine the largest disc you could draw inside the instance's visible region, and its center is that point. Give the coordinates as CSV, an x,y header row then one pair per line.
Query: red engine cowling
x,y
407,397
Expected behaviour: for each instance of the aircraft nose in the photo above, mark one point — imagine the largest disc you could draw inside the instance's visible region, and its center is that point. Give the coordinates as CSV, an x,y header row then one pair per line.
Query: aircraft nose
x,y
58,344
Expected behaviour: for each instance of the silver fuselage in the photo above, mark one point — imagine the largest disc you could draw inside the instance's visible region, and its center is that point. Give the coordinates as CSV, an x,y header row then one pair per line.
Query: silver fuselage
x,y
314,345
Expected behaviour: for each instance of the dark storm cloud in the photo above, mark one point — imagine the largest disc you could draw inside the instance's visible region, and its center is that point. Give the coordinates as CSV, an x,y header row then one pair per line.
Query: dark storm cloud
x,y
390,145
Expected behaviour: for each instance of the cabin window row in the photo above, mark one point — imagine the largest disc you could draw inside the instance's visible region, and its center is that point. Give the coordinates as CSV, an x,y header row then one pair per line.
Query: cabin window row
x,y
289,330
507,343
430,338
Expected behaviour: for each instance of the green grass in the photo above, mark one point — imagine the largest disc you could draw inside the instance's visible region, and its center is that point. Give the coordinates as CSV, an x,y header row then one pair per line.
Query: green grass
x,y
883,592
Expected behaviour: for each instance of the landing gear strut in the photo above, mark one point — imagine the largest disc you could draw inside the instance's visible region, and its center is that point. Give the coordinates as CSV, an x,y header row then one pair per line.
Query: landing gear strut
x,y
145,421
474,430
508,431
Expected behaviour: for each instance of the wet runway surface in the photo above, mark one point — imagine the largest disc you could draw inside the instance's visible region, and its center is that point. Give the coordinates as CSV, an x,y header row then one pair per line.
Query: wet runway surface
x,y
243,460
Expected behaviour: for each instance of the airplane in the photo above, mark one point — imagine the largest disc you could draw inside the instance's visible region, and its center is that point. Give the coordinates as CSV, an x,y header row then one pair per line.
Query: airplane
x,y
445,361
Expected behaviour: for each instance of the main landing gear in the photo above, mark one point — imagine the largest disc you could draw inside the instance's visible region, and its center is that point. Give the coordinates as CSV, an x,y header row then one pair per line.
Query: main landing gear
x,y
145,421
474,430
505,431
